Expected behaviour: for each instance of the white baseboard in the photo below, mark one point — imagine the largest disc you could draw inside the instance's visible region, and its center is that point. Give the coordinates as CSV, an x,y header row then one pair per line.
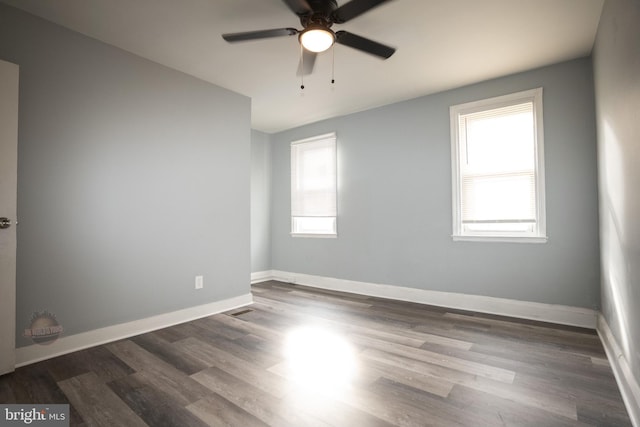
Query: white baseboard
x,y
627,383
67,344
553,313
261,276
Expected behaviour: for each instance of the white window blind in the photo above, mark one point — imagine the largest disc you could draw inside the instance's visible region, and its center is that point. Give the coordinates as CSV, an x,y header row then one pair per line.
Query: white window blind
x,y
314,186
498,187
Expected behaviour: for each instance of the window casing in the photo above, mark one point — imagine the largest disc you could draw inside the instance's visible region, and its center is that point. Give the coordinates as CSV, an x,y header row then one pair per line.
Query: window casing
x,y
314,187
498,169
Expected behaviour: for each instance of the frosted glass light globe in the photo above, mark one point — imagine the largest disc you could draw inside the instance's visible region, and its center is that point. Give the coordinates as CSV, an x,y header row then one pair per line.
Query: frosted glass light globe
x,y
317,39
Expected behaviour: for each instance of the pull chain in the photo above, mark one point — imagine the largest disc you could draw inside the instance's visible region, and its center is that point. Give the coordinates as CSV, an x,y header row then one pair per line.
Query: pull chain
x,y
333,63
301,67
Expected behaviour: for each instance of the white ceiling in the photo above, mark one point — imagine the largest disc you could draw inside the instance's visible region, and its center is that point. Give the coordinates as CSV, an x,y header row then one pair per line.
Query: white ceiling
x,y
441,44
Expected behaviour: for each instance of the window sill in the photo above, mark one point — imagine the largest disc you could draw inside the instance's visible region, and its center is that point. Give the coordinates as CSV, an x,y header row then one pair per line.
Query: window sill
x,y
503,239
317,236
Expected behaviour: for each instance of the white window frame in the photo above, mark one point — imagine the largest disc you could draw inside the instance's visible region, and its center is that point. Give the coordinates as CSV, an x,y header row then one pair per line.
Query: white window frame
x,y
539,235
334,234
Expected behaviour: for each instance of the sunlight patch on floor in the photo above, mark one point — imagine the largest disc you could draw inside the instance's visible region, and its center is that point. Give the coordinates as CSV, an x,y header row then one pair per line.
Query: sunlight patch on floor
x,y
319,360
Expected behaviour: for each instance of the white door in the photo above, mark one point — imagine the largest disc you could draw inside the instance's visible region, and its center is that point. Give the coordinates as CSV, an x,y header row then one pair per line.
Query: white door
x,y
8,192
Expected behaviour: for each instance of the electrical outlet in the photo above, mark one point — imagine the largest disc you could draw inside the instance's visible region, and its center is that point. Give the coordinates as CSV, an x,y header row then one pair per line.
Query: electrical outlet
x,y
199,282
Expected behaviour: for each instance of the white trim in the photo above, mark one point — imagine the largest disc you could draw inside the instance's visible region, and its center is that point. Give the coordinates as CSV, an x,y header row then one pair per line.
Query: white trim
x,y
67,344
497,101
9,107
553,313
330,135
507,239
297,195
627,383
534,96
316,235
261,276
540,180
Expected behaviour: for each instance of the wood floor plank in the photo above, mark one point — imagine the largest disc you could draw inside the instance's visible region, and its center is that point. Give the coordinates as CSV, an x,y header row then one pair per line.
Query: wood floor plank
x,y
540,400
587,342
484,409
212,325
560,405
496,341
457,364
248,327
190,329
338,300
98,360
97,403
330,409
360,325
441,372
426,383
169,353
265,356
587,389
380,406
601,361
345,314
263,406
218,411
362,379
233,365
602,415
172,333
395,410
276,285
437,409
6,391
157,372
527,354
34,386
153,406
566,369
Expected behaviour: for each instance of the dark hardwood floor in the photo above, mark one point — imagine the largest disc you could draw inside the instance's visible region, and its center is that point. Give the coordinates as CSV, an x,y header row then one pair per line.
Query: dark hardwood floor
x,y
305,357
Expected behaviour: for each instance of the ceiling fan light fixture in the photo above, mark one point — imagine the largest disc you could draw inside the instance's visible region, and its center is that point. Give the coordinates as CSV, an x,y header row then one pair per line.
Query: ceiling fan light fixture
x,y
317,38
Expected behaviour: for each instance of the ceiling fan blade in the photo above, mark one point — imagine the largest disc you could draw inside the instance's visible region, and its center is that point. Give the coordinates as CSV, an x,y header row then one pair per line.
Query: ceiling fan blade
x,y
364,44
299,7
305,66
260,34
354,8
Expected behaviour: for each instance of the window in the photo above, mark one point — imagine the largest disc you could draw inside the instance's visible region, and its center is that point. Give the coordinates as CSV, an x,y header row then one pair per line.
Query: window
x,y
314,186
498,169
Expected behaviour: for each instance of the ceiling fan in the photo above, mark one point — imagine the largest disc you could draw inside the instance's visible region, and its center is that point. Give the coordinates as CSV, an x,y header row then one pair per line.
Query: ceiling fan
x,y
317,17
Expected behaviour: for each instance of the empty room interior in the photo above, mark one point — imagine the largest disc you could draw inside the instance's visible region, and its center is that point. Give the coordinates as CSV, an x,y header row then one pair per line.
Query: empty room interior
x,y
320,213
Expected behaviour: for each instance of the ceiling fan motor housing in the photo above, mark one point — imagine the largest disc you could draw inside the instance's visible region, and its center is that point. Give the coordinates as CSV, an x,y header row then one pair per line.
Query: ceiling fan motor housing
x,y
321,16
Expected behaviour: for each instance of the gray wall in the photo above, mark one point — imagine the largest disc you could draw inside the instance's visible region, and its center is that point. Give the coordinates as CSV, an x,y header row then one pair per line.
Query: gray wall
x,y
616,60
394,202
133,178
260,201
